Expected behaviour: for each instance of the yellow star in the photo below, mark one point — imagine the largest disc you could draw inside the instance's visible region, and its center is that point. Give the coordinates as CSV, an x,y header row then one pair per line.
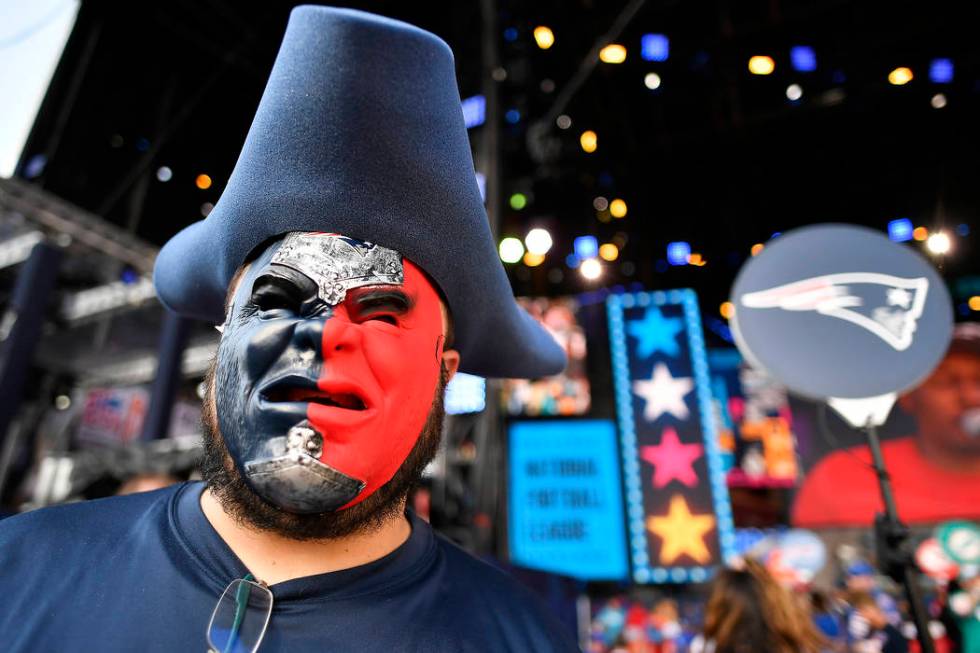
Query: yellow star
x,y
682,533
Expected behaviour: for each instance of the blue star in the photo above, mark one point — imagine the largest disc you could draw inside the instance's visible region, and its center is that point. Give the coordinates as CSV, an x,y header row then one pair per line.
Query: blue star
x,y
655,332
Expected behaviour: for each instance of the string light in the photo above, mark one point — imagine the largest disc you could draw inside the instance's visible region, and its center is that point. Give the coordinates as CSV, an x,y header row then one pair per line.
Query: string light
x,y
613,53
900,76
589,141
544,37
761,65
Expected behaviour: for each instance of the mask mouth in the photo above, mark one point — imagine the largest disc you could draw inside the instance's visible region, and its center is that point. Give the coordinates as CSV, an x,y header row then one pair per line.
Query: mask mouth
x,y
301,389
293,478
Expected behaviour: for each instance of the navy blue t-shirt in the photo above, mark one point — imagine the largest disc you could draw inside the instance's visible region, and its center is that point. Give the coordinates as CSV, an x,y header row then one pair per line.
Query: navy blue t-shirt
x,y
144,572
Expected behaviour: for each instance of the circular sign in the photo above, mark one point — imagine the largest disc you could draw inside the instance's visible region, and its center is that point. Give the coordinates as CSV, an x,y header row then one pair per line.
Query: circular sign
x,y
961,541
803,552
934,562
841,311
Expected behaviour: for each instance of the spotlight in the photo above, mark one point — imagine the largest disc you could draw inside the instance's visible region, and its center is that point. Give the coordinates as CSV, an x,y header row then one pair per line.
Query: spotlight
x,y
591,269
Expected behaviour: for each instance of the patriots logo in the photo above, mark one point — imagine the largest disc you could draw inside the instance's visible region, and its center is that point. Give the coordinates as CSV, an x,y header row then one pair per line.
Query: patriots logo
x,y
882,304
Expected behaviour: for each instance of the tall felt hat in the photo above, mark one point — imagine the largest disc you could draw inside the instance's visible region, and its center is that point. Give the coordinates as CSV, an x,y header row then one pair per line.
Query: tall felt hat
x,y
360,132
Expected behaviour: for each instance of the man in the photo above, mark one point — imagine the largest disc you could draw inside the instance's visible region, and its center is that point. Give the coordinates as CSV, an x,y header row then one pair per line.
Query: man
x,y
935,473
350,267
870,630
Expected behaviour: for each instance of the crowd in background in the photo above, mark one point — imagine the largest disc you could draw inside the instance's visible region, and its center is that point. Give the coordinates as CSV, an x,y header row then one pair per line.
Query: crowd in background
x,y
747,610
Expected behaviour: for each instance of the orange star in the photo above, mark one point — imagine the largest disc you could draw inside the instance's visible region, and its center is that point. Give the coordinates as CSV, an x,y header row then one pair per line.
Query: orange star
x,y
682,533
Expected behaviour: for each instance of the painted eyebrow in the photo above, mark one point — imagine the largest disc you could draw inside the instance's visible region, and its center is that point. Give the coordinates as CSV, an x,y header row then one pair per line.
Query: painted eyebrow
x,y
372,298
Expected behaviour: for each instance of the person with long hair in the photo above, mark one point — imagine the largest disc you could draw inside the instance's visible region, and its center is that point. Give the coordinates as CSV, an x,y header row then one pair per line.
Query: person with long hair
x,y
749,612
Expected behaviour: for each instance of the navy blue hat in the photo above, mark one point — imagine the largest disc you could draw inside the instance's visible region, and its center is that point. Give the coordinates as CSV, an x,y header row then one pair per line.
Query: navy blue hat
x,y
360,132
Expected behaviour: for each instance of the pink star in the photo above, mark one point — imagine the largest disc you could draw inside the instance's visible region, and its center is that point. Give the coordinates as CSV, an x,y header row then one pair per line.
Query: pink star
x,y
672,460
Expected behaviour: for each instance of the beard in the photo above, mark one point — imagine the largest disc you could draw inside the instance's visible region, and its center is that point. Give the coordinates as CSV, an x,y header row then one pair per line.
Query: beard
x,y
247,508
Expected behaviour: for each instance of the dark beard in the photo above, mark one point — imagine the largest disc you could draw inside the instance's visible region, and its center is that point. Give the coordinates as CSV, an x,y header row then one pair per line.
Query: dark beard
x,y
247,508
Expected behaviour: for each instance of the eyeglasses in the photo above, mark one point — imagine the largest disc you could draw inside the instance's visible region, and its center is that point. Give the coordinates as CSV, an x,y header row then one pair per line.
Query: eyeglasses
x,y
240,618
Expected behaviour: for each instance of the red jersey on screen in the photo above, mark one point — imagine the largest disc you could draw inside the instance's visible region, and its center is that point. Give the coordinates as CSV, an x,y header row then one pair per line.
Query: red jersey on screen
x,y
842,490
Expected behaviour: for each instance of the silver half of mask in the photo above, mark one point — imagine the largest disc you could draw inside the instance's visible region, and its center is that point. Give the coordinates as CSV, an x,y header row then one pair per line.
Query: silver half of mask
x,y
293,478
337,263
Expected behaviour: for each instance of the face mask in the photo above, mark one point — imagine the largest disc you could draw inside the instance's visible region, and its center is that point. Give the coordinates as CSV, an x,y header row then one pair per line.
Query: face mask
x,y
327,369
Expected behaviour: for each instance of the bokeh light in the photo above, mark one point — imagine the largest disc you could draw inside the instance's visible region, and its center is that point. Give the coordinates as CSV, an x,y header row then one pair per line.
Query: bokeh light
x,y
613,53
544,37
538,241
511,250
761,65
608,252
900,76
203,182
618,208
589,141
591,269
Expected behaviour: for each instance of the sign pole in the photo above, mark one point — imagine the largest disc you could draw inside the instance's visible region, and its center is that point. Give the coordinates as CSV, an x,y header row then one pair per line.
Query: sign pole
x,y
892,537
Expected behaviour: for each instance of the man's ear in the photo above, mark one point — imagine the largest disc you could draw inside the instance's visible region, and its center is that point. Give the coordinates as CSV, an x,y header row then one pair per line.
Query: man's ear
x,y
450,363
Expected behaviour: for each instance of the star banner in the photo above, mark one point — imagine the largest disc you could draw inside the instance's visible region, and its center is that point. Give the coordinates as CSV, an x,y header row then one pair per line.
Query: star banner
x,y
679,515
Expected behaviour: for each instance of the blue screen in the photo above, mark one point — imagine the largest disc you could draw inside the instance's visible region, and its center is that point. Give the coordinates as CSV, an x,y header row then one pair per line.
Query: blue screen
x,y
566,512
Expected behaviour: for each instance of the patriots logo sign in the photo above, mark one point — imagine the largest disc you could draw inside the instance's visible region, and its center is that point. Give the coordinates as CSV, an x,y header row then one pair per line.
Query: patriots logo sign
x,y
882,304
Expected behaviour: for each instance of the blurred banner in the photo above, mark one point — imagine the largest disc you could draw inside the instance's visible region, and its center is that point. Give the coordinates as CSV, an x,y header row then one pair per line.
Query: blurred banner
x,y
563,394
755,424
566,503
679,515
